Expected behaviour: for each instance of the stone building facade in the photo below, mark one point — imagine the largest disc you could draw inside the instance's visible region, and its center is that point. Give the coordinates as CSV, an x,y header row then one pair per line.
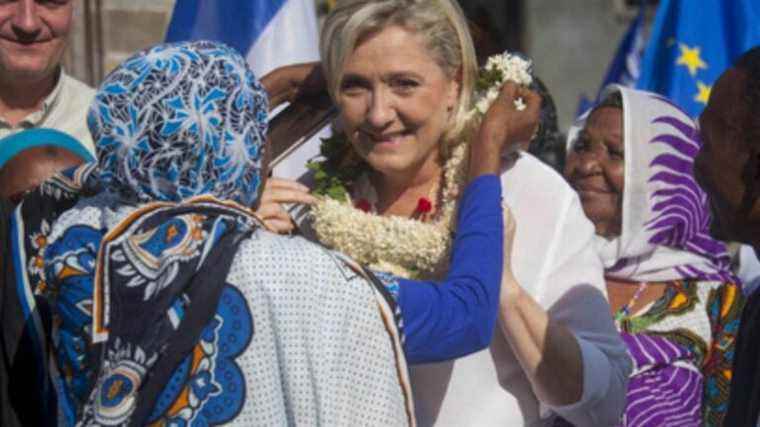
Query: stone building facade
x,y
106,32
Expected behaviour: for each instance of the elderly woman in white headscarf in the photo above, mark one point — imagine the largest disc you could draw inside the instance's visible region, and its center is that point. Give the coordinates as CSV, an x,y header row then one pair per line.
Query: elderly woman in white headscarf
x,y
672,292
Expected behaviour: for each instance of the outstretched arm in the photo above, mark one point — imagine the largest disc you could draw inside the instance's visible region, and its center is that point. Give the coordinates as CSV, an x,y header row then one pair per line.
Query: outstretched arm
x,y
566,341
457,316
546,350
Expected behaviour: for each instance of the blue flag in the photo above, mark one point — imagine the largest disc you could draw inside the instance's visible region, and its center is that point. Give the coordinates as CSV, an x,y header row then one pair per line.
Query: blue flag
x,y
269,33
626,65
692,43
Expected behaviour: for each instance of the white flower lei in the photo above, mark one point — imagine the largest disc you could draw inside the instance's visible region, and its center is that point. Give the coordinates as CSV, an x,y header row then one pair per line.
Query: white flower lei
x,y
498,70
403,246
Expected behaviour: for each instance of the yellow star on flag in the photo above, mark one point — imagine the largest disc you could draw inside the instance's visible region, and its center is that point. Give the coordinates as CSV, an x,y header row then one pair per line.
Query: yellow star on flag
x,y
690,58
703,94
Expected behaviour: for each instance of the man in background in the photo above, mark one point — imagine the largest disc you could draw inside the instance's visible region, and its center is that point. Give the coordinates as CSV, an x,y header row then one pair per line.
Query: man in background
x,y
728,168
34,89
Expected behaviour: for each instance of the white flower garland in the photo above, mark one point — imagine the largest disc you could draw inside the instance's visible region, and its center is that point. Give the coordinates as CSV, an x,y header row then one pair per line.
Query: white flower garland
x,y
498,70
403,246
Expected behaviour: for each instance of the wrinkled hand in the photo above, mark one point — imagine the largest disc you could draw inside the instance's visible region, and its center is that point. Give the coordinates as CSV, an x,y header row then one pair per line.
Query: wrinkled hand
x,y
504,125
286,84
276,193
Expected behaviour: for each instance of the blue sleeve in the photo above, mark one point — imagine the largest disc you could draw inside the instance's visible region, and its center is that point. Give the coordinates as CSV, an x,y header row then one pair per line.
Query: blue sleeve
x,y
456,317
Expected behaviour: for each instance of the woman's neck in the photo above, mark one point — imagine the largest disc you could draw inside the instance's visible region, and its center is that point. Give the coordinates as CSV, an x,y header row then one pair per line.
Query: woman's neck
x,y
399,193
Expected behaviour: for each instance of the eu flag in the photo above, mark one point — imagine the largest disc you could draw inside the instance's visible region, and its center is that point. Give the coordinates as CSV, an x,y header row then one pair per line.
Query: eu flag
x,y
692,43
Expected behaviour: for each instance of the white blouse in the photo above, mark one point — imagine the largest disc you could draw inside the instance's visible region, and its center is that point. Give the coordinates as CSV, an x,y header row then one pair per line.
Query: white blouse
x,y
555,262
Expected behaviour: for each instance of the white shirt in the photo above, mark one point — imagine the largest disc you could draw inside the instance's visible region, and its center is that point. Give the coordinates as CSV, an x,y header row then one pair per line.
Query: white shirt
x,y
555,262
64,109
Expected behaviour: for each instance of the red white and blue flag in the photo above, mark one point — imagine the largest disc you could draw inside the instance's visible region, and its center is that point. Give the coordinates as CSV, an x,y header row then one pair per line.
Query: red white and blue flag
x,y
268,33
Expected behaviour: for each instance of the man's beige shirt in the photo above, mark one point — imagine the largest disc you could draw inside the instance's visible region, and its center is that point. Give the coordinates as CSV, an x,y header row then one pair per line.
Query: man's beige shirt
x,y
65,109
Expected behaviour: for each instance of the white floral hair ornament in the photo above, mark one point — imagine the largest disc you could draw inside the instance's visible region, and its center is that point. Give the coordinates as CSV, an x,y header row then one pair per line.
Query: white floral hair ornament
x,y
500,69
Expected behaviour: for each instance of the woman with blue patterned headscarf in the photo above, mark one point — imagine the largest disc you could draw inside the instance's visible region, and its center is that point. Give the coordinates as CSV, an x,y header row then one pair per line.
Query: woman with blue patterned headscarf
x,y
30,157
158,283
28,164
125,268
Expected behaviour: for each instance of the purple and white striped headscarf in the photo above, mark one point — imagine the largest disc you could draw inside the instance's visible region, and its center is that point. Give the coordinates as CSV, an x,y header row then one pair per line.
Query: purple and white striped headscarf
x,y
665,230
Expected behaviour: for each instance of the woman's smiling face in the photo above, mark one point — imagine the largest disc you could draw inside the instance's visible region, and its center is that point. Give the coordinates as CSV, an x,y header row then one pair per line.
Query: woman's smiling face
x,y
395,101
596,169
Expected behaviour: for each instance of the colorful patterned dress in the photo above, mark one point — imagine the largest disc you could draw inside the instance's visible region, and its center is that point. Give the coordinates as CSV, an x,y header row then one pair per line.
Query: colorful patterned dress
x,y
682,346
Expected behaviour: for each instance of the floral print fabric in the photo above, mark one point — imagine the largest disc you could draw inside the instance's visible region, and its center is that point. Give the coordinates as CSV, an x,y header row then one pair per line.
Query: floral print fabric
x,y
181,120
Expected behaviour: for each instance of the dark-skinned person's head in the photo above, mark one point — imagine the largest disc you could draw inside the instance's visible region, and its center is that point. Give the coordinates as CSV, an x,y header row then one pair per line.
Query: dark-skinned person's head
x,y
631,160
728,164
595,165
32,156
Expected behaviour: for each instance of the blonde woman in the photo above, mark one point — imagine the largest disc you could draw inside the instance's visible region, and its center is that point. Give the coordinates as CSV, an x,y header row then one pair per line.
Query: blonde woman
x,y
402,74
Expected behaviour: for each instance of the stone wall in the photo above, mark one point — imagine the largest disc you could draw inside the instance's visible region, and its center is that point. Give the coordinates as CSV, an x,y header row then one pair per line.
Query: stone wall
x,y
571,43
107,31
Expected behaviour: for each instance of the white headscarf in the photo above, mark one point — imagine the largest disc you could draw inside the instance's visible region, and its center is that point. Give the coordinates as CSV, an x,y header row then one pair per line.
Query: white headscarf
x,y
665,225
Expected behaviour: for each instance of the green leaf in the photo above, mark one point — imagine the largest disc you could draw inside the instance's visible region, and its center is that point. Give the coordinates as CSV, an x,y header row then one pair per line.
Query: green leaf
x,y
320,174
337,193
488,78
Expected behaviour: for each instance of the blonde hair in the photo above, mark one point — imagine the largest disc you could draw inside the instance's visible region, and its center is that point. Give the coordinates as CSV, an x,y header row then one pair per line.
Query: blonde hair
x,y
440,22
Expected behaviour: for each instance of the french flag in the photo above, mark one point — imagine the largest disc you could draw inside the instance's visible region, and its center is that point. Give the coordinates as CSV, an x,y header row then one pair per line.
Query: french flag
x,y
268,33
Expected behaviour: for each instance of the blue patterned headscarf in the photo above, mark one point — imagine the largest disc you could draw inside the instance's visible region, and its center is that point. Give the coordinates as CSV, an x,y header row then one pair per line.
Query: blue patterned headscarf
x,y
181,120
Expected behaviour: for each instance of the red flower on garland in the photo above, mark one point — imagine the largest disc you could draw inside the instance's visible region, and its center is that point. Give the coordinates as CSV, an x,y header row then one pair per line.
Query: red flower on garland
x,y
363,205
424,205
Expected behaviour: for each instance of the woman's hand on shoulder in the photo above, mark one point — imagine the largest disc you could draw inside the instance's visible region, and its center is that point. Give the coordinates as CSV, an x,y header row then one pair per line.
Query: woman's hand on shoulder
x,y
277,193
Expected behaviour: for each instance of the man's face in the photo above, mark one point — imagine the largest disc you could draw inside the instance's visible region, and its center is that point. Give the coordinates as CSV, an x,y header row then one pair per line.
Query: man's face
x,y
33,37
723,166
